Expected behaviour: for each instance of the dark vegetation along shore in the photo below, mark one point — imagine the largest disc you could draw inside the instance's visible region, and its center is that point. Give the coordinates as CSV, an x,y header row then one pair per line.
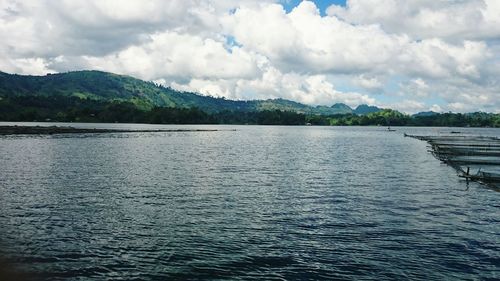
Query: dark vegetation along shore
x,y
49,130
94,96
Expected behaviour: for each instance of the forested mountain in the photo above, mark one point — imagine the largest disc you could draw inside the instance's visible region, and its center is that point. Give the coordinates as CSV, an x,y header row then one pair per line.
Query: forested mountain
x,y
109,87
365,109
94,96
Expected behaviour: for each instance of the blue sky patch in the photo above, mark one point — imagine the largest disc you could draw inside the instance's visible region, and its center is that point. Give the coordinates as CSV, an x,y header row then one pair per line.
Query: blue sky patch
x,y
321,4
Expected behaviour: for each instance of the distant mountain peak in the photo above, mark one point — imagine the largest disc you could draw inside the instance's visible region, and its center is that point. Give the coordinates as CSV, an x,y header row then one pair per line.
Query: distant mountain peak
x,y
425,113
340,105
341,108
366,109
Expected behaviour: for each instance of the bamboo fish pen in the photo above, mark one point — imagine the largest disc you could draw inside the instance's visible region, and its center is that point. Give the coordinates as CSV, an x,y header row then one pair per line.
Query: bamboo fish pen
x,y
476,158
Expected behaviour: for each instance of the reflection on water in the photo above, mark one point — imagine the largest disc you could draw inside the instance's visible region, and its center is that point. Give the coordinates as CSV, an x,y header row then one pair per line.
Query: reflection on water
x,y
259,202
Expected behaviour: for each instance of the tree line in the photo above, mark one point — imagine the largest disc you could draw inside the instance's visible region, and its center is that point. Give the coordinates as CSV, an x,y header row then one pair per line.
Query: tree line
x,y
74,109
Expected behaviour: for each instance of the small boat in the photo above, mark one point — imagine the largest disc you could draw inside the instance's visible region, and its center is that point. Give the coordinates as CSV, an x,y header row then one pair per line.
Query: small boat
x,y
390,130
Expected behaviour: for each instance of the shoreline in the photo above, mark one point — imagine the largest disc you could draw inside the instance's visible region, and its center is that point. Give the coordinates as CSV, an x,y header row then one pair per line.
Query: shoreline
x,y
50,130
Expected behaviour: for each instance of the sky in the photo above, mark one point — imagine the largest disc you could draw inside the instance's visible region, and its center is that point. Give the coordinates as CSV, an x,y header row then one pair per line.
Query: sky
x,y
412,55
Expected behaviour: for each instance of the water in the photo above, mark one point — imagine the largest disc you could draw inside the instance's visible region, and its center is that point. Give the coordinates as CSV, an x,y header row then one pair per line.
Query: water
x,y
262,202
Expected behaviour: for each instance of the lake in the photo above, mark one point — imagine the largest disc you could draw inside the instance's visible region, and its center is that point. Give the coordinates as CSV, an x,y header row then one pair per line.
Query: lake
x,y
261,202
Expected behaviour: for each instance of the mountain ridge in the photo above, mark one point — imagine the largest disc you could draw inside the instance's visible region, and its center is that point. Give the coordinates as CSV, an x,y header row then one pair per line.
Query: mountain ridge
x,y
106,86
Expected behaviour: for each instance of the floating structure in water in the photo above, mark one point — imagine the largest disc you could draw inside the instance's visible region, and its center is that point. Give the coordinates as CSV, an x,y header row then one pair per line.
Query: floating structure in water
x,y
476,158
49,130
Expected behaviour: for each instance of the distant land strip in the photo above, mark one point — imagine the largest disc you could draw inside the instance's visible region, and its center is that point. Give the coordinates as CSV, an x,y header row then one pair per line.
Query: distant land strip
x,y
102,97
41,130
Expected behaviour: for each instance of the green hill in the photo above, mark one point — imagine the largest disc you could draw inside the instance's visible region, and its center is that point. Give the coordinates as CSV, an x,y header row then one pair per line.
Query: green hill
x,y
341,108
109,87
366,109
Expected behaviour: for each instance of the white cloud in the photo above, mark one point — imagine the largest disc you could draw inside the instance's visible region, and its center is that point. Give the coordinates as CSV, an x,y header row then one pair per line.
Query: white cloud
x,y
309,89
436,108
33,66
368,82
415,88
436,58
420,19
189,57
408,106
49,28
303,41
464,96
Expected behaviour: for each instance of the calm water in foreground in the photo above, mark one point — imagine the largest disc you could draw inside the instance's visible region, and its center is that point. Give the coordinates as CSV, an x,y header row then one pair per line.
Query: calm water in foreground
x,y
261,202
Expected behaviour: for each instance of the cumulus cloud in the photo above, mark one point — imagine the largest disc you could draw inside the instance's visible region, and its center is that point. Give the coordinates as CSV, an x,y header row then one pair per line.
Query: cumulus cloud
x,y
49,28
368,82
303,41
423,54
408,106
416,87
190,56
421,19
308,89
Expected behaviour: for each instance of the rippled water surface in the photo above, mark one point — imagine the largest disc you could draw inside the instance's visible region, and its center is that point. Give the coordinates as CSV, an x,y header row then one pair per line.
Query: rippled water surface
x,y
260,202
